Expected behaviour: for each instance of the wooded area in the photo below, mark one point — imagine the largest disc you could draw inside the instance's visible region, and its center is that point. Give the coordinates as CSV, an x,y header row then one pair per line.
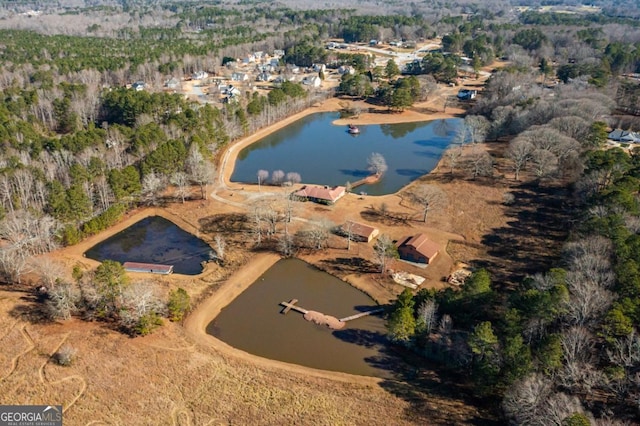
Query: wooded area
x,y
79,148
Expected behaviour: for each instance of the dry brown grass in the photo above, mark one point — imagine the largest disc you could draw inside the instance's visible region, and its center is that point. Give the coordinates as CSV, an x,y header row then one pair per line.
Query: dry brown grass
x,y
174,377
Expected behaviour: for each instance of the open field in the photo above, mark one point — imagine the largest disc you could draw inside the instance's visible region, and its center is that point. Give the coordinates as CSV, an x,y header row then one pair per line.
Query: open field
x,y
182,376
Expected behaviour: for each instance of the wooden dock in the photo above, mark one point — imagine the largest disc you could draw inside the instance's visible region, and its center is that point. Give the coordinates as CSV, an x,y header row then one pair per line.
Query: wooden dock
x,y
361,314
292,305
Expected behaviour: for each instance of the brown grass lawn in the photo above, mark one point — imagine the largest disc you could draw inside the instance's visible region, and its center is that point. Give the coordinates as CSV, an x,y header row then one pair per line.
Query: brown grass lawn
x,y
181,376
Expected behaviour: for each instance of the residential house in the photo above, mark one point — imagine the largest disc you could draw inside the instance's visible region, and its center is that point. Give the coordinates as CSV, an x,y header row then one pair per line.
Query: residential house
x,y
319,67
320,194
274,62
264,76
172,83
312,80
346,69
138,86
278,53
360,231
418,248
239,76
466,94
624,136
199,75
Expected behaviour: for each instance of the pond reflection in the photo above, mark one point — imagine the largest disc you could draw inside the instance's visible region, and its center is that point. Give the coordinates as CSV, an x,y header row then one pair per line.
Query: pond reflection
x,y
155,240
328,155
254,323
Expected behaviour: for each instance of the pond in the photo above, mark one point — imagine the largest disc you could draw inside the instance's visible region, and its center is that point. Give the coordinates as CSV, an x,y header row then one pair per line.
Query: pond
x,y
253,322
328,155
155,240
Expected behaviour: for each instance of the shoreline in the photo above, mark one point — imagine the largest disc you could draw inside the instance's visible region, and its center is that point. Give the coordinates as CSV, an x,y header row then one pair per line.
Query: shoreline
x,y
373,116
209,307
195,324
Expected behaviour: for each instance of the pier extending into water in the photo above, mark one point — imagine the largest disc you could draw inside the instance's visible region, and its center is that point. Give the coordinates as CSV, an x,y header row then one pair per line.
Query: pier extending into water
x,y
322,319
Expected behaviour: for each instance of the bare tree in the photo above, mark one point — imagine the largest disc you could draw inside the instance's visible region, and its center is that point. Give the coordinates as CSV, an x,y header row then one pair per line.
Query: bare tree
x,y
428,197
347,230
152,184
50,271
103,193
277,177
427,315
14,263
63,300
221,247
572,126
544,162
479,163
181,181
293,178
519,153
316,234
285,245
263,175
588,298
477,127
532,401
453,155
384,251
139,300
625,352
523,401
200,171
256,224
377,164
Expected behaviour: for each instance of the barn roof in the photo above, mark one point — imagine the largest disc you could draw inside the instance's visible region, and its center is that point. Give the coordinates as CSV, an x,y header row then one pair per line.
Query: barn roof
x,y
148,267
361,230
422,244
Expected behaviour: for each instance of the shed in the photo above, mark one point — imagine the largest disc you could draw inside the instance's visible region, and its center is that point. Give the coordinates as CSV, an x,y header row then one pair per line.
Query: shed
x,y
153,268
361,231
418,248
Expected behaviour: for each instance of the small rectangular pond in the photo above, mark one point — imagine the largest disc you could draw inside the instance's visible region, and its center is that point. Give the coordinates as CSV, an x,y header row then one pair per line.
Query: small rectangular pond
x,y
155,240
328,155
253,322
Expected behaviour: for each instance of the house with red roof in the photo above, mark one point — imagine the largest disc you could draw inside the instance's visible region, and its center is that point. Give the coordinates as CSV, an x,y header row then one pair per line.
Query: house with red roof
x,y
360,231
320,194
418,248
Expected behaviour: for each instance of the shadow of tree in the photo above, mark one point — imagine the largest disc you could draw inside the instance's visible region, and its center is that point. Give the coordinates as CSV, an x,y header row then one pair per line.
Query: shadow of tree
x,y
350,265
385,217
227,223
435,396
539,224
31,308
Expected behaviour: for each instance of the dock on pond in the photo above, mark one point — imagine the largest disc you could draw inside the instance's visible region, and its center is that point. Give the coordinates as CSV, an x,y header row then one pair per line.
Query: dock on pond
x,y
291,305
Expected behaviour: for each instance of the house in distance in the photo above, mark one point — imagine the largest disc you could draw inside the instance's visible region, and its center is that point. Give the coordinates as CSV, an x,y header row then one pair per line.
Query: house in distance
x,y
418,249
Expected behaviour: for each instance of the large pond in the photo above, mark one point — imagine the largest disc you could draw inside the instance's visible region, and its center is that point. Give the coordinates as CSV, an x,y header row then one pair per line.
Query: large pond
x,y
327,155
155,240
253,322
